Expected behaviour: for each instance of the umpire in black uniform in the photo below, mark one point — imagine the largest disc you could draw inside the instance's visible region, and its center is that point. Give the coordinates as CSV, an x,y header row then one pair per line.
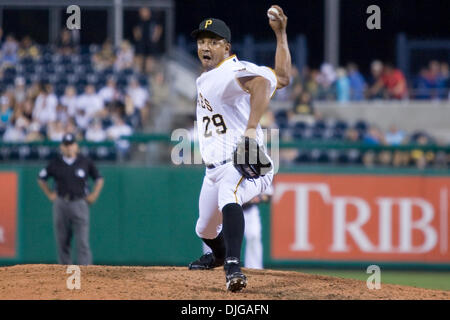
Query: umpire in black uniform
x,y
71,199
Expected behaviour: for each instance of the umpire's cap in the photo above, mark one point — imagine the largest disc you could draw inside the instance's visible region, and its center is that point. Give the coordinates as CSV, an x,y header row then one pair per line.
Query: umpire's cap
x,y
216,26
68,138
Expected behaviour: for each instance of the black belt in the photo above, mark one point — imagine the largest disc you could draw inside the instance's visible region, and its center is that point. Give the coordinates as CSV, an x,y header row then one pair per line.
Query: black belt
x,y
212,166
70,197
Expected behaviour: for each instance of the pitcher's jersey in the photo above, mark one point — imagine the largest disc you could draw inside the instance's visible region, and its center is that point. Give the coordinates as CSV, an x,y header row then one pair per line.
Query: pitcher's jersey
x,y
223,107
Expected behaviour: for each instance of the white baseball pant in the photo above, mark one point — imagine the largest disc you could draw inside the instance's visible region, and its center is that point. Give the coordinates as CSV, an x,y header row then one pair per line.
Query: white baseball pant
x,y
221,186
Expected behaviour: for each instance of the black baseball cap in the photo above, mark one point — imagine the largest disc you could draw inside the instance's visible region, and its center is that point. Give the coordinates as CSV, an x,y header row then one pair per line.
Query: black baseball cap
x,y
68,138
216,26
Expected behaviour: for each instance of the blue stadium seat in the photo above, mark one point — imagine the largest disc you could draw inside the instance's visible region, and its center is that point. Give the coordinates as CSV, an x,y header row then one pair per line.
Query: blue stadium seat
x,y
300,129
27,61
338,134
304,156
318,133
342,125
333,155
86,59
75,59
30,68
50,68
354,156
72,79
47,58
70,69
66,60
343,157
361,126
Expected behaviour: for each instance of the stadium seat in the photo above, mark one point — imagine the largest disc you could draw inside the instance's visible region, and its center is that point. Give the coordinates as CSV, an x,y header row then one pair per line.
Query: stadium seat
x,y
56,58
86,59
338,134
332,155
75,59
44,152
318,133
51,68
361,126
342,157
303,157
341,125
354,156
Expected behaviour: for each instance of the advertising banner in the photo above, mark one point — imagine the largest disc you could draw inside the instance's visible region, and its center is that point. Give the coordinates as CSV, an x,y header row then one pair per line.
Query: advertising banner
x,y
8,214
360,218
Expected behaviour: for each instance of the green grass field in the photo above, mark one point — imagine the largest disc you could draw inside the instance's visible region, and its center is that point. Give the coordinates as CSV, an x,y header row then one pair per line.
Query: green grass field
x,y
422,279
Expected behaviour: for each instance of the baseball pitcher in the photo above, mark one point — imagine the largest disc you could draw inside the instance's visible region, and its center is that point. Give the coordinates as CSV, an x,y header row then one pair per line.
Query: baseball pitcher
x,y
232,96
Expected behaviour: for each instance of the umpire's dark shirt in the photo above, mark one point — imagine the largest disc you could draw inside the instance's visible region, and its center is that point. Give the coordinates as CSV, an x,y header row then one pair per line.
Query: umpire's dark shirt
x,y
71,180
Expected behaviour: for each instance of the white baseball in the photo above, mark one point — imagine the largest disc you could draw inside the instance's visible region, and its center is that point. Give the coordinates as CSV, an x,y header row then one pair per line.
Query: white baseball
x,y
272,13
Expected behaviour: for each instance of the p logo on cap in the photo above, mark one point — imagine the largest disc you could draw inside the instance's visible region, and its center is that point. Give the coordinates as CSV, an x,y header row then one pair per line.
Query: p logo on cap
x,y
207,23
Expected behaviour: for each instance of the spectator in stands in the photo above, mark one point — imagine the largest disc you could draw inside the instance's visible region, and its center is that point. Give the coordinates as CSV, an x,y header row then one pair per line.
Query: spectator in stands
x,y
104,58
445,80
394,136
61,113
132,114
27,109
55,131
45,106
159,88
90,104
326,79
67,43
20,117
81,119
109,92
95,132
303,109
139,96
357,82
70,100
286,93
20,93
352,135
422,85
310,83
342,86
394,82
147,35
6,113
28,49
9,51
14,133
34,90
125,57
71,127
118,130
419,157
376,90
34,132
373,136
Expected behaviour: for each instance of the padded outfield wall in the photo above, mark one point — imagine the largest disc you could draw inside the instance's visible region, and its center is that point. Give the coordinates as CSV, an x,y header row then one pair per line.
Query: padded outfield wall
x,y
319,216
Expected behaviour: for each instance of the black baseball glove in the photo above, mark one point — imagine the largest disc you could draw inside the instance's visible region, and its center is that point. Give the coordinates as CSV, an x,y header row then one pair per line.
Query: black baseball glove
x,y
250,159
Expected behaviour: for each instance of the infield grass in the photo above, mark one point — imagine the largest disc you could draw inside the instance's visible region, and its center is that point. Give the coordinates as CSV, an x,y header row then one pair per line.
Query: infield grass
x,y
439,280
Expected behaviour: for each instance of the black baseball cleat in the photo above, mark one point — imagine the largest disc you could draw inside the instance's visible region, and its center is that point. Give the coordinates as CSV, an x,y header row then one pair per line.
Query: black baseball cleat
x,y
205,262
236,280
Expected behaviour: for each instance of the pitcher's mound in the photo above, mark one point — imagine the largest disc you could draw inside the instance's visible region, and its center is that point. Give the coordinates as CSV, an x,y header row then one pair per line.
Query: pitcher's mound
x,y
178,283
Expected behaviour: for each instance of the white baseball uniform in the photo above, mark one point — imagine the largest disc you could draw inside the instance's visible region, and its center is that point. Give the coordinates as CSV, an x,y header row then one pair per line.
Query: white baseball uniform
x,y
253,236
223,109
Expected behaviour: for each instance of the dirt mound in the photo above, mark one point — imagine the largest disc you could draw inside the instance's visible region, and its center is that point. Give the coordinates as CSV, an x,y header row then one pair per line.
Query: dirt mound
x,y
178,283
